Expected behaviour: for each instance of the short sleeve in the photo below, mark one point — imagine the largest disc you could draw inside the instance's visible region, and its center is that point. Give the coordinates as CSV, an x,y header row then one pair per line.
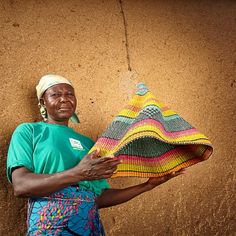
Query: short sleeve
x,y
20,152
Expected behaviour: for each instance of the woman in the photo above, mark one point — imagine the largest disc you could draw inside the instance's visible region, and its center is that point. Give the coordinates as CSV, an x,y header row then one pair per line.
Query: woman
x,y
48,163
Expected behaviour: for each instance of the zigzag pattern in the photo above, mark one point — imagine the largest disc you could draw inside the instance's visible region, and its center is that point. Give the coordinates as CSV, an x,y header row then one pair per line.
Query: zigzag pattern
x,y
151,139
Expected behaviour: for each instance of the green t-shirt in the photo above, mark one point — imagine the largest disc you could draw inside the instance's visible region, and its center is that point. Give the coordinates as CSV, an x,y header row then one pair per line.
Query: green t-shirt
x,y
49,148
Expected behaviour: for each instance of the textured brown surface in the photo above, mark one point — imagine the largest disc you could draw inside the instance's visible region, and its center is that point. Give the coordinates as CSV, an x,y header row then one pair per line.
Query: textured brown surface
x,y
185,52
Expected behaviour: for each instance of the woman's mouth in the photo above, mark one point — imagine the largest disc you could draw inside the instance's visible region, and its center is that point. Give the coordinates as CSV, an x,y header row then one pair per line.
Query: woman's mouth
x,y
65,109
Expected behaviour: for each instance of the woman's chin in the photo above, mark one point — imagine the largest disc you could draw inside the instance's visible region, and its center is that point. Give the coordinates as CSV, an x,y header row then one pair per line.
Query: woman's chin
x,y
65,115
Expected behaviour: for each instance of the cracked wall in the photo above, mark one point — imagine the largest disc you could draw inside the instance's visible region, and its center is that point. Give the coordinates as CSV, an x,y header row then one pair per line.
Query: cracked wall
x,y
183,50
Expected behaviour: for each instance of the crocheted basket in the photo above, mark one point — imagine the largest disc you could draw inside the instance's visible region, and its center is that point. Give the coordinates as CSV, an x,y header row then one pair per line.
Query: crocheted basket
x,y
151,139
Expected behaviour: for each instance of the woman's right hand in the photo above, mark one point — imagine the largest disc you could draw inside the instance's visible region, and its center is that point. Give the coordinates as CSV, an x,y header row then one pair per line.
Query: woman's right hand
x,y
93,167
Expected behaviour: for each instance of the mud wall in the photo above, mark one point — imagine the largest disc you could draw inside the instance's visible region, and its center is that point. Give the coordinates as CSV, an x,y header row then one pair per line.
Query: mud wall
x,y
183,50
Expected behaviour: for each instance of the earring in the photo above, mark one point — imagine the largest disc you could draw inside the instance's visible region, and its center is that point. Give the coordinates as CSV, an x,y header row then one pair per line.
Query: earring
x,y
43,111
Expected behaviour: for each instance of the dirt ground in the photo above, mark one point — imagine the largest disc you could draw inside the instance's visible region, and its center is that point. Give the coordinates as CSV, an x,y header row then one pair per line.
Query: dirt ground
x,y
185,51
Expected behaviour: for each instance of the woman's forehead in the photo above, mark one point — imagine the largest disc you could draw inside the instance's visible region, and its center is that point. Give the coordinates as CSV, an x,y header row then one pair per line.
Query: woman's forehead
x,y
60,87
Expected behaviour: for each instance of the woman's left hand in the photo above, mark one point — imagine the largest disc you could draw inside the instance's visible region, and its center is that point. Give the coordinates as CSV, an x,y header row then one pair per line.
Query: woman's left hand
x,y
155,181
112,197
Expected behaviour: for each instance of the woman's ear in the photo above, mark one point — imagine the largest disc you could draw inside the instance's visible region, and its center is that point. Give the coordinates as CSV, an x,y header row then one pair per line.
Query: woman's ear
x,y
41,102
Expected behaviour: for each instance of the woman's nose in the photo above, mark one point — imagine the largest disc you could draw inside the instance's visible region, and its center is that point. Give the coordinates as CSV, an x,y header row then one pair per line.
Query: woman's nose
x,y
64,98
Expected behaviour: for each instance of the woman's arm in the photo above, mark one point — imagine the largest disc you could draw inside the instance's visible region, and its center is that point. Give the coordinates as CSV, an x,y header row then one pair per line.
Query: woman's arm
x,y
28,184
112,197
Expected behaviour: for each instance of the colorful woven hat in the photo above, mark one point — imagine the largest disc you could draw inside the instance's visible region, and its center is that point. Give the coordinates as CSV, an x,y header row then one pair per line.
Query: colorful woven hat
x,y
151,140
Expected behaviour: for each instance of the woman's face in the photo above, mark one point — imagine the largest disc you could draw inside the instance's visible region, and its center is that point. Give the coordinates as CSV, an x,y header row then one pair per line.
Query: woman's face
x,y
60,102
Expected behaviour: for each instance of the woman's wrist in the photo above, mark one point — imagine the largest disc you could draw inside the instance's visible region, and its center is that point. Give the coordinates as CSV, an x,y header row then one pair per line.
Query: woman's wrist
x,y
71,176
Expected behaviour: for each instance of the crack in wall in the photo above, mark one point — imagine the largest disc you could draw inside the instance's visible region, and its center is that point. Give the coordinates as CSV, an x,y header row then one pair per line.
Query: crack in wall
x,y
126,34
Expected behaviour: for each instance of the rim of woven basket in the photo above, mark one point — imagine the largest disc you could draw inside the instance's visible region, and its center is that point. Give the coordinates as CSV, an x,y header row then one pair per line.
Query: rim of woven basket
x,y
206,154
120,146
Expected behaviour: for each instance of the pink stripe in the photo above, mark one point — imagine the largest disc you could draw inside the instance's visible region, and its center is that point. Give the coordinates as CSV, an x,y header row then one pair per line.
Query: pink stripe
x,y
133,108
108,141
167,133
165,108
152,99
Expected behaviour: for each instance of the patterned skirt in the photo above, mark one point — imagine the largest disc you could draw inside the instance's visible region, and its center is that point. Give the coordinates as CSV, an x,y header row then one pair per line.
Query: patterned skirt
x,y
70,211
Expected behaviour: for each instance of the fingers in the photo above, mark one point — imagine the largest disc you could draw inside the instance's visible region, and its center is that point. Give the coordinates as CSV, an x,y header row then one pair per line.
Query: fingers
x,y
182,171
93,167
110,171
107,173
176,173
106,176
108,166
94,154
104,166
105,159
108,160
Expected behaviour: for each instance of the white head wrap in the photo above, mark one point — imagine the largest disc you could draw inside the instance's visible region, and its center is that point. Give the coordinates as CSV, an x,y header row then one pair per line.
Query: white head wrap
x,y
50,80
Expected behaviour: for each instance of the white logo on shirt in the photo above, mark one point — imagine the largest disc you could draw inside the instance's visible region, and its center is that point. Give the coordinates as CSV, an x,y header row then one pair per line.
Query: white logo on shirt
x,y
76,144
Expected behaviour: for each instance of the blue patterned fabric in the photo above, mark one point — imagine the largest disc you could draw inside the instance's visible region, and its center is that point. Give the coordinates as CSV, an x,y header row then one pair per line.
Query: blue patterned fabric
x,y
70,211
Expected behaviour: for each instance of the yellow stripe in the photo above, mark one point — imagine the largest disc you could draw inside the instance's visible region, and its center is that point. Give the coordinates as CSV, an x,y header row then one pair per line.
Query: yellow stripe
x,y
128,113
140,100
144,103
149,129
169,113
148,175
132,114
164,167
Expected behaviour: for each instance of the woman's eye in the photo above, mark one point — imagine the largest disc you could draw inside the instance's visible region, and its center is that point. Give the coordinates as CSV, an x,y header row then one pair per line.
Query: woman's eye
x,y
70,94
54,94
